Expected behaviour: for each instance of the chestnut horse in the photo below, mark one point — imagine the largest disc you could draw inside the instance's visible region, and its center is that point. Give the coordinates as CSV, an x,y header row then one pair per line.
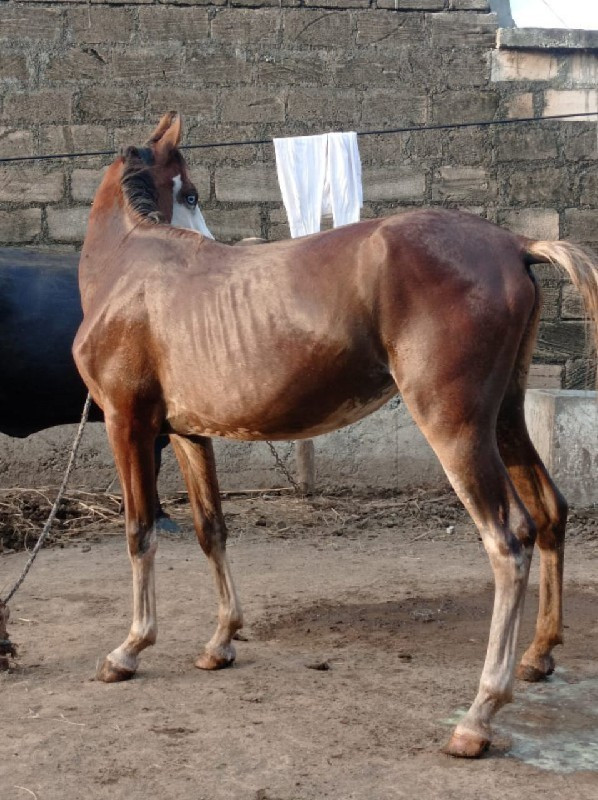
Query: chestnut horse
x,y
189,337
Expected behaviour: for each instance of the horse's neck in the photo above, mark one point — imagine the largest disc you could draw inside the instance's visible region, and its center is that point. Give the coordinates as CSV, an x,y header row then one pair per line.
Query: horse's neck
x,y
109,225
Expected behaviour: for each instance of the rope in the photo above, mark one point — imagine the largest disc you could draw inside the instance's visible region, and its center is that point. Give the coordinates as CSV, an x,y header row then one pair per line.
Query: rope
x,y
281,466
382,132
50,520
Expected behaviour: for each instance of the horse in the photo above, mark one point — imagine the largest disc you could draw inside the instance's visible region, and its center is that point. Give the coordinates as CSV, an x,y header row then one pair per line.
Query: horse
x,y
188,337
40,313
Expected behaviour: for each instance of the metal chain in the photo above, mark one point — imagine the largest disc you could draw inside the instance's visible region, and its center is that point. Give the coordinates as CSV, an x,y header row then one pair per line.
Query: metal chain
x,y
46,529
282,467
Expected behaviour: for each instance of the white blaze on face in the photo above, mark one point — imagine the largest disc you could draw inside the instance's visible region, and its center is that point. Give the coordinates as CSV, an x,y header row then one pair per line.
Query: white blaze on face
x,y
185,216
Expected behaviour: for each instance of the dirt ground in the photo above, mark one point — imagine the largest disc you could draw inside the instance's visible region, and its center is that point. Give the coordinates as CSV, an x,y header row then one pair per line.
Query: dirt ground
x,y
366,626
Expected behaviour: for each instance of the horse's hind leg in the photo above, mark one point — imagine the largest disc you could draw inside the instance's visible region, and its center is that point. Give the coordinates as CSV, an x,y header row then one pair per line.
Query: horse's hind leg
x,y
548,509
462,435
133,448
196,459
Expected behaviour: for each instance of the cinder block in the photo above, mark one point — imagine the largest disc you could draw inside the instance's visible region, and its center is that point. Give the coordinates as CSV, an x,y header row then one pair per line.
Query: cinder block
x,y
572,305
385,106
253,105
529,144
581,225
34,184
178,24
563,425
581,70
545,186
248,184
85,182
15,142
342,106
39,106
13,66
76,64
398,184
100,24
522,65
462,184
231,225
251,26
382,29
99,103
68,224
545,376
20,225
30,22
537,223
570,101
463,29
72,138
464,106
152,64
520,105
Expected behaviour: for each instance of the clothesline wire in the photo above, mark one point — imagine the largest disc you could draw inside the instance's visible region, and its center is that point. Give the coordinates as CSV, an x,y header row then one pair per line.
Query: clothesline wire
x,y
381,132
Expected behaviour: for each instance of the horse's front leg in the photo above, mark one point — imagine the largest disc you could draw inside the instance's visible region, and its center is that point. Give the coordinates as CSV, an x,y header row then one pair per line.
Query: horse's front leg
x,y
196,459
132,445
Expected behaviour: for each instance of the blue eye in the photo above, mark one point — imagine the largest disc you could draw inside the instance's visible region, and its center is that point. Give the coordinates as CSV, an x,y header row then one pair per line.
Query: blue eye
x,y
191,199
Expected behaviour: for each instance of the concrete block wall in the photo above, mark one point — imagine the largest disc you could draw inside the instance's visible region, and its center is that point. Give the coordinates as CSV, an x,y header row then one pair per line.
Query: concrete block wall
x,y
86,76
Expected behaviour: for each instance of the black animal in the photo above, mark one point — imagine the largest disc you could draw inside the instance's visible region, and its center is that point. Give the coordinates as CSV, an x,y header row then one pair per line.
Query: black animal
x,y
40,312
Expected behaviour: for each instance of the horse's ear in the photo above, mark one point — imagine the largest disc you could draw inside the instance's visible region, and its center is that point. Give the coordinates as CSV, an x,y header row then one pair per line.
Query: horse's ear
x,y
169,140
165,122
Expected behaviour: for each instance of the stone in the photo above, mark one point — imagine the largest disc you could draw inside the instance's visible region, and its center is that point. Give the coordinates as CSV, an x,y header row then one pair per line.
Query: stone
x,y
248,184
98,103
33,23
84,183
174,24
38,106
562,424
570,101
394,108
100,24
253,105
68,224
251,26
20,225
537,223
339,108
515,65
462,184
581,225
398,184
30,184
233,224
547,39
333,29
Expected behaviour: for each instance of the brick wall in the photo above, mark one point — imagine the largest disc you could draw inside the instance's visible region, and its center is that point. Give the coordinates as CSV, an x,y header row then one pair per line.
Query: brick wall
x,y
93,75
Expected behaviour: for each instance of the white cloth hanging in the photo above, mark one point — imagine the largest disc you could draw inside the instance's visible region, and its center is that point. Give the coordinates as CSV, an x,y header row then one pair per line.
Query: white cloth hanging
x,y
319,175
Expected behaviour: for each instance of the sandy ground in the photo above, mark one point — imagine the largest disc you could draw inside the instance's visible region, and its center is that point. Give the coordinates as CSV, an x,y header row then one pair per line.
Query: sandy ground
x,y
397,608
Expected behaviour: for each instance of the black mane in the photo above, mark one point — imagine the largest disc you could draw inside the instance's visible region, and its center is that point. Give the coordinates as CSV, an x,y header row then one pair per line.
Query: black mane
x,y
138,183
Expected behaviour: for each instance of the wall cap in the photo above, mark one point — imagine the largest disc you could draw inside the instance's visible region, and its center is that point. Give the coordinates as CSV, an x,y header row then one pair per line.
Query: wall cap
x,y
546,39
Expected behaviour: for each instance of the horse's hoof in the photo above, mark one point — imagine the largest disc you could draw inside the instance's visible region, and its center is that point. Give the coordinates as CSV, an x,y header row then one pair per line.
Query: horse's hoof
x,y
533,673
110,672
466,744
211,661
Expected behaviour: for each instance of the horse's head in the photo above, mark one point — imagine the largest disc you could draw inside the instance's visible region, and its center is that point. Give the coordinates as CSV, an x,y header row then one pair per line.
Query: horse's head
x,y
155,181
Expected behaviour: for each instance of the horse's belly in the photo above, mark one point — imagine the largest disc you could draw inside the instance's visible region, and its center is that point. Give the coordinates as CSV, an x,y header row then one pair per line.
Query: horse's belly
x,y
290,423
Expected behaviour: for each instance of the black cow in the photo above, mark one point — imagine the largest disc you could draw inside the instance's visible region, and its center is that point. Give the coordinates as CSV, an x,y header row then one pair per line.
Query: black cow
x,y
40,312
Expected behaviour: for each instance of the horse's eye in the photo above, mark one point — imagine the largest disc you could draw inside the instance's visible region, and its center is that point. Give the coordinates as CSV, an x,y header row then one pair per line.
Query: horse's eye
x,y
191,200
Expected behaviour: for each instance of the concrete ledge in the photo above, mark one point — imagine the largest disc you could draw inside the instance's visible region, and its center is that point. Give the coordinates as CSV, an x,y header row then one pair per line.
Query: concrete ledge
x,y
563,425
546,39
383,451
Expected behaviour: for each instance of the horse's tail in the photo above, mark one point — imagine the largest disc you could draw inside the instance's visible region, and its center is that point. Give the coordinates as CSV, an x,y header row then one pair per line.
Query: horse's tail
x,y
579,264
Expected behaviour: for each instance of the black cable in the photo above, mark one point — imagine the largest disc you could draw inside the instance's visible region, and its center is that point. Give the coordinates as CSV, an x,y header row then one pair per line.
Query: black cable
x,y
382,132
